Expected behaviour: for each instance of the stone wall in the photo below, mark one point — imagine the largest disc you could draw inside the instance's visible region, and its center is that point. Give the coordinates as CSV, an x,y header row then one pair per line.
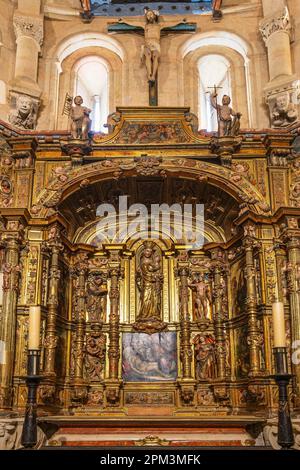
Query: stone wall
x,y
62,39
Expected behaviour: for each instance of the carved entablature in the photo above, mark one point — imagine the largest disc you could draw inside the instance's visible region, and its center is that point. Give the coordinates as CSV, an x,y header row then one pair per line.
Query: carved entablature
x,y
29,26
164,129
280,21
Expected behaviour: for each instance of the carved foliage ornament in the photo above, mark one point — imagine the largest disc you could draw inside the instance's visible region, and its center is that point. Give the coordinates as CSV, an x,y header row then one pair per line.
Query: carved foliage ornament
x,y
295,186
279,22
30,27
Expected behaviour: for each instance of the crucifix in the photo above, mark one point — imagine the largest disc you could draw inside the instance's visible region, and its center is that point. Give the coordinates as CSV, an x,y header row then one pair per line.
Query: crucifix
x,y
86,10
216,8
150,51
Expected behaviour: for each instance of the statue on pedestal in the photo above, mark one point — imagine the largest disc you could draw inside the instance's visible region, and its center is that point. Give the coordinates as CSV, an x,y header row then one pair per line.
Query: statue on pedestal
x,y
228,120
202,296
81,122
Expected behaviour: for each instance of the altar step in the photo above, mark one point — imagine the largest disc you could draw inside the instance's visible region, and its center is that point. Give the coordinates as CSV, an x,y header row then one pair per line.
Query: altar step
x,y
82,433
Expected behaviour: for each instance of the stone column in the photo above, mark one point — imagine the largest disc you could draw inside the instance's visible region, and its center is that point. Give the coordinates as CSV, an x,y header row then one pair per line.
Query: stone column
x,y
276,29
254,337
11,238
55,245
29,32
115,273
283,87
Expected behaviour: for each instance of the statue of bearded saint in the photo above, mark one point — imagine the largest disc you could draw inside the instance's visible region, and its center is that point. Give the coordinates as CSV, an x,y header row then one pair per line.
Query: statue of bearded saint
x,y
149,280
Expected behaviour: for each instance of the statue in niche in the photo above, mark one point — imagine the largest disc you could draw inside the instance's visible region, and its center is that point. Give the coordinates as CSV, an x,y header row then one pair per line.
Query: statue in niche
x,y
202,296
228,120
25,114
95,353
97,296
81,122
205,356
149,280
284,112
239,293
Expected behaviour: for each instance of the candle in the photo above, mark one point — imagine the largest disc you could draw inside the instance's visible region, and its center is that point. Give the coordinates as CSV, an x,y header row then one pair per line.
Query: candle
x,y
34,327
278,325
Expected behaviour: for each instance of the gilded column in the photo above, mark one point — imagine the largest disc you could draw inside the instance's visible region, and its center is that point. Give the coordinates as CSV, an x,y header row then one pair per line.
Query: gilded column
x,y
80,390
254,338
185,329
115,273
187,383
50,343
219,310
11,239
80,327
292,239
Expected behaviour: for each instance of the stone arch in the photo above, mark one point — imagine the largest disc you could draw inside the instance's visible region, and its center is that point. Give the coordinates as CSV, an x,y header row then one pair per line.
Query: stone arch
x,y
236,50
72,49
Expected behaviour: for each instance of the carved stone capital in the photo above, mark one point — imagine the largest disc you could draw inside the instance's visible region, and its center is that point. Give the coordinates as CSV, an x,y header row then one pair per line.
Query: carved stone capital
x,y
282,99
29,26
280,21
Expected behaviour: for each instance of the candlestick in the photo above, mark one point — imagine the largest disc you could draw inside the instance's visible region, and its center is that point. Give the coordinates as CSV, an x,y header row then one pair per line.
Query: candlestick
x,y
34,327
29,432
285,437
278,325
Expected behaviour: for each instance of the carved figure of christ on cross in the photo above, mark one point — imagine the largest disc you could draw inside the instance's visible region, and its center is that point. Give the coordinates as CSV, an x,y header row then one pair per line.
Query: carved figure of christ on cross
x,y
152,32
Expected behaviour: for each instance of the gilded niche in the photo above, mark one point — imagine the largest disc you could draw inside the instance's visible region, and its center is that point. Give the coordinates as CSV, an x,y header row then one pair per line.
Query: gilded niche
x,y
149,281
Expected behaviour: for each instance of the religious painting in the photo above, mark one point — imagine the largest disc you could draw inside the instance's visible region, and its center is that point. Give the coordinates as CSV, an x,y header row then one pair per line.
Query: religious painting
x,y
145,133
238,289
149,358
242,354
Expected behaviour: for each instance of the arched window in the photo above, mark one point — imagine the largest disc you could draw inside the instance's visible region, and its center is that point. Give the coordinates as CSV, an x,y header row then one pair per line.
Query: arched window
x,y
214,70
91,82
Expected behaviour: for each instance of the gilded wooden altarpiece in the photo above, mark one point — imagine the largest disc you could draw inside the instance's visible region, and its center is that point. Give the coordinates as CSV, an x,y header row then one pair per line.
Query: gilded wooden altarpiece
x,y
215,301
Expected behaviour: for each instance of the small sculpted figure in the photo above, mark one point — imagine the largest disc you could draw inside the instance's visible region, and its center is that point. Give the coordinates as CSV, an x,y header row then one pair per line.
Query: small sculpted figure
x,y
228,120
81,122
